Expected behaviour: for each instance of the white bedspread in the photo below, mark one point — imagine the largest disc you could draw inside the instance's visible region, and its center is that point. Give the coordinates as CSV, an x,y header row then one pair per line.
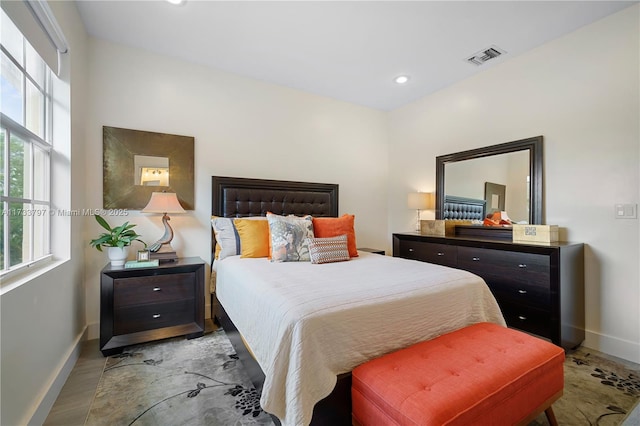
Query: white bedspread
x,y
307,323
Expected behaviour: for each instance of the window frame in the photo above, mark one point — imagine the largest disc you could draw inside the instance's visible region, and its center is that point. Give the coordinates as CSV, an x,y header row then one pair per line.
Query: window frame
x,y
33,207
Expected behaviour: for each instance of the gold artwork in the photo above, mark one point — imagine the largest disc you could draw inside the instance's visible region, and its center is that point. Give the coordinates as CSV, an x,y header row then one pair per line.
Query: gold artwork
x,y
137,163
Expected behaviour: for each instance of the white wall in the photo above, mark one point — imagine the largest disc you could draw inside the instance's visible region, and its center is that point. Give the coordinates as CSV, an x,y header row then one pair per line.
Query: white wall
x,y
43,319
582,93
242,128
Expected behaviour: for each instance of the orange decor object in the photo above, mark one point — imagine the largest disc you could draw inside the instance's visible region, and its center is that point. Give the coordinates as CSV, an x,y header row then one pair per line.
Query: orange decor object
x,y
326,227
483,374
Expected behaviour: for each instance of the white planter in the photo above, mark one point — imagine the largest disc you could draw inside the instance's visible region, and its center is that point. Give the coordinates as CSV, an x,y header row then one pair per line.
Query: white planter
x,y
117,255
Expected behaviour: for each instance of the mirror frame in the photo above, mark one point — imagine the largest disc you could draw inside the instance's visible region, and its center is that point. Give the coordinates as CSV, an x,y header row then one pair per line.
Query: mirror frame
x,y
533,145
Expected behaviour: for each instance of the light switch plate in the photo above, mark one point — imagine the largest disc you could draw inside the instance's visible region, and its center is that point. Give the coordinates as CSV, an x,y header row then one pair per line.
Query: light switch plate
x,y
626,211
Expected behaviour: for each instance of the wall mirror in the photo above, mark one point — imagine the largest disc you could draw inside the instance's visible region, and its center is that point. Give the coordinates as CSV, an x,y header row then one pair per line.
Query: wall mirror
x,y
137,163
506,176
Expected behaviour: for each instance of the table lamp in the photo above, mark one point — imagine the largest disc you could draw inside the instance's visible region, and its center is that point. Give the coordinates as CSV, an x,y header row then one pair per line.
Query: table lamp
x,y
419,201
163,202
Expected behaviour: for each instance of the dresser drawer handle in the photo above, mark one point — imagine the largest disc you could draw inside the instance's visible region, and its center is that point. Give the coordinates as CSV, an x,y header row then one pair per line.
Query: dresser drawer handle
x,y
522,265
440,253
156,316
475,259
522,291
410,250
522,318
157,289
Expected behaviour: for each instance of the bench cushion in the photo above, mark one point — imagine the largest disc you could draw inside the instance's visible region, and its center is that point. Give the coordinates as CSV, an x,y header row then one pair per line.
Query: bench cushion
x,y
481,374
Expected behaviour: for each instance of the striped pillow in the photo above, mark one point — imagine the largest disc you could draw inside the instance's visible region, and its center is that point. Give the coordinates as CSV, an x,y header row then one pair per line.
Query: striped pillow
x,y
327,250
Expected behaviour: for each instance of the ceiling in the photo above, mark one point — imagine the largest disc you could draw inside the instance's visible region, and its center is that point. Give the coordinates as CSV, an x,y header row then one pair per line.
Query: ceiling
x,y
347,50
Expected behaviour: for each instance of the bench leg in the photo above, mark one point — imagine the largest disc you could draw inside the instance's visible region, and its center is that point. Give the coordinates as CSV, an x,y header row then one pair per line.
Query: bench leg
x,y
551,416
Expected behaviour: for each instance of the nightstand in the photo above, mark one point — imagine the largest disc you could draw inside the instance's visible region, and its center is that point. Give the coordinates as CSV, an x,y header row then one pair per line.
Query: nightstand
x,y
143,304
372,250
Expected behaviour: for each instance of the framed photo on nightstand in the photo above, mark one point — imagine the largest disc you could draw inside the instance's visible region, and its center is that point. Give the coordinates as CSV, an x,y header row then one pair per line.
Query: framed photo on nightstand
x,y
143,255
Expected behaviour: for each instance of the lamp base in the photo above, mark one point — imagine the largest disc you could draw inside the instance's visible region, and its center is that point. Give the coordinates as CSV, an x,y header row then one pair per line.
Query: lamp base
x,y
164,254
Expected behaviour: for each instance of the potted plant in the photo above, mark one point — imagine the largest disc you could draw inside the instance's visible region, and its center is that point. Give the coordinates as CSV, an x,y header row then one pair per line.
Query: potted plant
x,y
117,240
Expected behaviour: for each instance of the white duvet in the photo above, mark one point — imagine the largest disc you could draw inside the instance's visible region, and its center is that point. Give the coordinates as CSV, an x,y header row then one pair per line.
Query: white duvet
x,y
308,323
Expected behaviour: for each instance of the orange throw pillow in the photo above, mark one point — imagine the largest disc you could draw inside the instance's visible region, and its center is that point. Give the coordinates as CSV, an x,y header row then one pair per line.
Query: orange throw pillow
x,y
326,227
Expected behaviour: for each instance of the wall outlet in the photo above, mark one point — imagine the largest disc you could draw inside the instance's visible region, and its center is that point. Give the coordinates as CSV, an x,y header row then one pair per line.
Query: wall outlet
x,y
626,211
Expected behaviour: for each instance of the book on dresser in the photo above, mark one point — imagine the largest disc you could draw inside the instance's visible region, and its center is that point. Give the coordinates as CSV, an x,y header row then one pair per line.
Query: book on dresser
x,y
540,288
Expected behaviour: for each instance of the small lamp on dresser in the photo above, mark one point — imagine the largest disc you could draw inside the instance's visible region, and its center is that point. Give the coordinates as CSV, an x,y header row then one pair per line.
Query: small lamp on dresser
x,y
420,201
163,202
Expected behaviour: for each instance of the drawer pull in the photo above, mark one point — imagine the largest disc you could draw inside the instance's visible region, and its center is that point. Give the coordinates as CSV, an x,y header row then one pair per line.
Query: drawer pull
x,y
157,289
440,253
522,265
522,318
410,250
156,316
475,259
522,291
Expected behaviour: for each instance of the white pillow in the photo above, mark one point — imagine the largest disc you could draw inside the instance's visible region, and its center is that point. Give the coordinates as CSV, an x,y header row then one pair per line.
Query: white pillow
x,y
226,237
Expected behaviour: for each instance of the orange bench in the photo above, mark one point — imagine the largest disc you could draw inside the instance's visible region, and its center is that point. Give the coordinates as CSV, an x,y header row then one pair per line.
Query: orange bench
x,y
483,374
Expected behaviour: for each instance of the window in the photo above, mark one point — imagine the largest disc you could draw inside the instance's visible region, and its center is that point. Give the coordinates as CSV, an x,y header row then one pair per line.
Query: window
x,y
25,152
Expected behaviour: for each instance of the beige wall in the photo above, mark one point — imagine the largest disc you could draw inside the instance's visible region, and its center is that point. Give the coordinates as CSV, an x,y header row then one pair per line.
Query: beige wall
x,y
243,128
582,93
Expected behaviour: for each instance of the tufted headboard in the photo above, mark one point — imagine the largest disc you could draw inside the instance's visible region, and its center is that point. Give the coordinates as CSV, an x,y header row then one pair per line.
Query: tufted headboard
x,y
240,197
460,208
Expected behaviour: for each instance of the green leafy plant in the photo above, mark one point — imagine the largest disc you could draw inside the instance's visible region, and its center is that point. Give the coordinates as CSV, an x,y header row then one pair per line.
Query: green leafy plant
x,y
120,236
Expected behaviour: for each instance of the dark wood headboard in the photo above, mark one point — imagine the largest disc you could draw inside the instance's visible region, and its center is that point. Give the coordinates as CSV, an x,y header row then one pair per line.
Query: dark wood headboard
x,y
460,208
241,197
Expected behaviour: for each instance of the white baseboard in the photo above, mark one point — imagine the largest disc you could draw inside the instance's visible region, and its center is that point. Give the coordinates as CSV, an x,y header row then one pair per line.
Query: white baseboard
x,y
51,394
617,347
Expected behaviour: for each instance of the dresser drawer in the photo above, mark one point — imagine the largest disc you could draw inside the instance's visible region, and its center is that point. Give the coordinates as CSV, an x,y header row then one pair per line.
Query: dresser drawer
x,y
518,267
134,291
527,318
441,254
522,277
153,316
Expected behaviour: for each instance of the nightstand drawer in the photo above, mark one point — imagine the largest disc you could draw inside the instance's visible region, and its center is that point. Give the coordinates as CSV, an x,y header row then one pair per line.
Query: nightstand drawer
x,y
150,317
440,254
134,291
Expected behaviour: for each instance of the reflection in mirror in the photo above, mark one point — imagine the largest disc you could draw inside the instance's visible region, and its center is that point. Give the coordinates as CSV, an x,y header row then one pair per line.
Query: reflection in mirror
x,y
508,173
150,171
492,176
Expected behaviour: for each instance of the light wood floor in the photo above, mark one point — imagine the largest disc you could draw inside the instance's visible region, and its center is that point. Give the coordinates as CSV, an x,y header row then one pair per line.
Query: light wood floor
x,y
72,405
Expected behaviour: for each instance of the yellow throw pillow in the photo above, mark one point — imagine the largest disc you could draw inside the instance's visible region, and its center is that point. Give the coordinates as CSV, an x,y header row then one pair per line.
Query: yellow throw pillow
x,y
254,237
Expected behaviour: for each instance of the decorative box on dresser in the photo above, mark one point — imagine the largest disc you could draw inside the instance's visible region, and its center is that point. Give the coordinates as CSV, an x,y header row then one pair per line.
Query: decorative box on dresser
x,y
143,304
540,288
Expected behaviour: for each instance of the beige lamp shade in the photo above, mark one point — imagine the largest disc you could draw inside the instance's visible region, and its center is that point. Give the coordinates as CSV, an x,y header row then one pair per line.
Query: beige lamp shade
x,y
420,200
163,202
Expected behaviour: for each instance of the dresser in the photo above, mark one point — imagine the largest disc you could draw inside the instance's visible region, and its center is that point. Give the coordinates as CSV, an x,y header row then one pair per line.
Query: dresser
x,y
143,304
540,288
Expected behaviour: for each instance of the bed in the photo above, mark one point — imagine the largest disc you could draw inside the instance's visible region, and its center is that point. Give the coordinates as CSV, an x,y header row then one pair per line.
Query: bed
x,y
317,322
461,208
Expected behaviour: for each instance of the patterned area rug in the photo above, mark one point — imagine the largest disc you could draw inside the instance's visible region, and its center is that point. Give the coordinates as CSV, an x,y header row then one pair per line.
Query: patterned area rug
x,y
201,382
597,390
177,382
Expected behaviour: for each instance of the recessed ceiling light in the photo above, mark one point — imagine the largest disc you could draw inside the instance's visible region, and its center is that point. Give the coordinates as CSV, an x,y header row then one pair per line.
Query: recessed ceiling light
x,y
401,79
176,2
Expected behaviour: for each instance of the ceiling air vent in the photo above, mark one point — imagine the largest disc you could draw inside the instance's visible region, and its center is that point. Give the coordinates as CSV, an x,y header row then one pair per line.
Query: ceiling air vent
x,y
484,55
